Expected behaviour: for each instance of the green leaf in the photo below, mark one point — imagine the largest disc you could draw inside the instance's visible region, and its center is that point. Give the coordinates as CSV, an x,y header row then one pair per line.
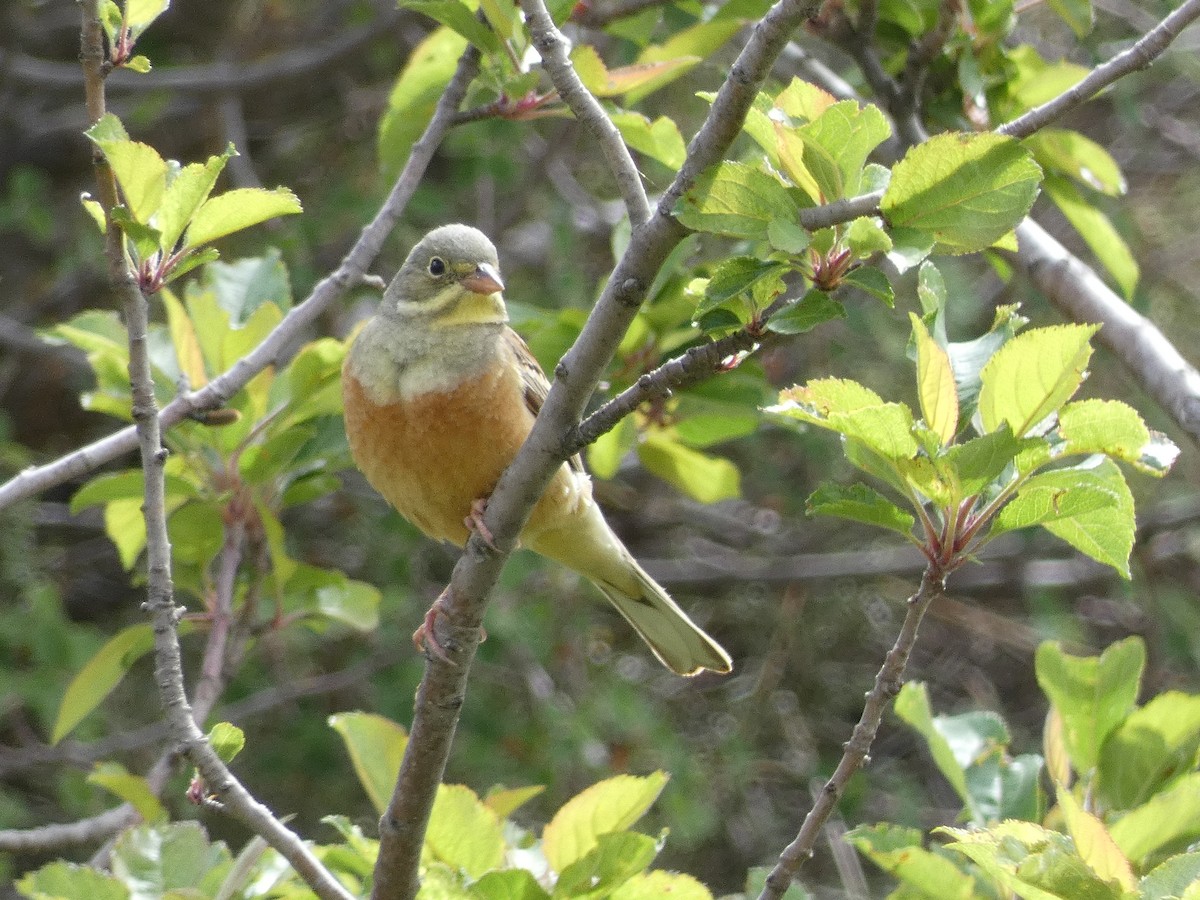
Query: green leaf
x,y
860,503
815,308
815,401
138,63
1154,745
68,881
463,832
787,236
376,747
705,478
617,857
756,880
965,190
738,276
1064,152
186,191
507,884
1105,533
1093,694
1076,13
735,200
980,461
100,675
658,884
873,281
837,143
912,706
610,805
226,740
866,237
354,603
133,789
1058,494
242,286
139,14
935,383
238,209
459,17
171,861
1034,81
899,852
969,357
140,171
430,66
1094,843
605,454
1166,820
1116,430
505,801
659,139
1172,878
1032,375
1097,230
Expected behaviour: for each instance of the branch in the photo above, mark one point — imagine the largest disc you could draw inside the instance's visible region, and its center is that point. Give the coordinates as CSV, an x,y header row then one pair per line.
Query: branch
x,y
552,46
1080,294
1139,56
443,687
585,15
328,290
887,684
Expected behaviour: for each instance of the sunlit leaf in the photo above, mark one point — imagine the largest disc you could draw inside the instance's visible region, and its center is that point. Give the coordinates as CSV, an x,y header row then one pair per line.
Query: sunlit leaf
x,y
736,200
610,805
376,746
133,789
862,504
412,100
238,209
935,383
1097,230
463,832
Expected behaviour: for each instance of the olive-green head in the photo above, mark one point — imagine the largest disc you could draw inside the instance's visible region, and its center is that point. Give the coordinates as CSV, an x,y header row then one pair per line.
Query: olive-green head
x,y
452,276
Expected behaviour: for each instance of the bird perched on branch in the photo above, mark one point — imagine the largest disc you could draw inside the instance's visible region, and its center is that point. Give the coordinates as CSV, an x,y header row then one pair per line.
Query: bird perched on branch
x,y
439,396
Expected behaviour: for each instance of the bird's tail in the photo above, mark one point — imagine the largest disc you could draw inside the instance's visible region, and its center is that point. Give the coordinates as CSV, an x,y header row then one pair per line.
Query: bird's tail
x,y
589,547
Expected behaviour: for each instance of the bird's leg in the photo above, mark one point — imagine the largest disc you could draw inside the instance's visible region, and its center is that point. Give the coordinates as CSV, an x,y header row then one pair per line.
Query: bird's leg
x,y
474,521
424,638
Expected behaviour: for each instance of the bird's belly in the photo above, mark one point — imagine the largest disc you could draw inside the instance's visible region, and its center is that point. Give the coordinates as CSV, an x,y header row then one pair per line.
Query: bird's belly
x,y
432,454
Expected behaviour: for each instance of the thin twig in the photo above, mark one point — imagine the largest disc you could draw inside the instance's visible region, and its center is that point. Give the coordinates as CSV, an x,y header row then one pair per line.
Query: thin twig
x,y
553,47
887,684
1139,56
584,13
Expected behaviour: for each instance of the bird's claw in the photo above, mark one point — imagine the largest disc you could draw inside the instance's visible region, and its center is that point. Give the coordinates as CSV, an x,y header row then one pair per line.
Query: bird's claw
x,y
424,638
474,522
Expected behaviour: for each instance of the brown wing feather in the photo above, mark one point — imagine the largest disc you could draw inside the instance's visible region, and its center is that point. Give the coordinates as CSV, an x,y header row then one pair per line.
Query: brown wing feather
x,y
533,380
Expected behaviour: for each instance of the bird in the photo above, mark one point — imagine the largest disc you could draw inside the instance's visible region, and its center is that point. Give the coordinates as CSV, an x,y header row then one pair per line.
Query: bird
x,y
439,395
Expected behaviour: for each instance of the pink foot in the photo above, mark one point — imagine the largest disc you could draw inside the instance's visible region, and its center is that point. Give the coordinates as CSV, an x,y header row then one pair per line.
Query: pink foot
x,y
424,638
474,521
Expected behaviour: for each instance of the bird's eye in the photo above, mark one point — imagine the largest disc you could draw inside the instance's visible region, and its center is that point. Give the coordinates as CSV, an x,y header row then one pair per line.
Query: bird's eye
x,y
437,266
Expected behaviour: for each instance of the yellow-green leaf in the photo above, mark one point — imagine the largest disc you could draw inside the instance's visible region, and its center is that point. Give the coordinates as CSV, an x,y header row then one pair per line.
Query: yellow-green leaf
x,y
133,789
464,832
183,337
1094,843
935,383
238,209
702,477
376,747
611,805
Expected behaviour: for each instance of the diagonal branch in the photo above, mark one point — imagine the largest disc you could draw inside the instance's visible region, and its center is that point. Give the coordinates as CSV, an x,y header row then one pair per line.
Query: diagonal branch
x,y
1139,56
553,47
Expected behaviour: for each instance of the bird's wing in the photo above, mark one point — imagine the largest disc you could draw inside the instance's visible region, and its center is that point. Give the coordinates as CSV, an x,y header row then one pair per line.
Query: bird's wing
x,y
533,380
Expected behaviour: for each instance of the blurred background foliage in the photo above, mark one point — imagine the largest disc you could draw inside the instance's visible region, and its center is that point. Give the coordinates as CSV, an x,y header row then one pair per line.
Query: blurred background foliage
x,y
563,694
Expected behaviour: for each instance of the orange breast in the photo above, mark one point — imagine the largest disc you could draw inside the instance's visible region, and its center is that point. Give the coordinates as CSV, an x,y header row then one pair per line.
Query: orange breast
x,y
432,455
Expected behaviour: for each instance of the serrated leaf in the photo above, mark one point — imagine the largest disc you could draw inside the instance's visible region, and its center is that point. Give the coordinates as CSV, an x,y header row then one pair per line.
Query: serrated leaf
x,y
1094,843
899,852
376,747
138,14
172,861
227,741
507,884
935,383
1032,375
862,504
1065,152
1060,495
238,209
138,63
62,880
610,805
873,281
815,308
463,832
787,236
1093,694
1168,818
460,17
185,193
1097,230
659,139
788,150
1116,430
837,143
505,801
737,276
702,477
658,884
822,396
1172,877
133,789
430,66
735,200
865,237
139,170
100,675
617,857
965,190
886,429
1154,745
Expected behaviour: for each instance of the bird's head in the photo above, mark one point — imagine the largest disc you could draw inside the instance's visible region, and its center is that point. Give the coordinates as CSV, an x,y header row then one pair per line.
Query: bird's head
x,y
451,277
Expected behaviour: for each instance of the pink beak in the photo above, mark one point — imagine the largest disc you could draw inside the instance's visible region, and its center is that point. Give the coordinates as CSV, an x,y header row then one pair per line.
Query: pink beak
x,y
484,280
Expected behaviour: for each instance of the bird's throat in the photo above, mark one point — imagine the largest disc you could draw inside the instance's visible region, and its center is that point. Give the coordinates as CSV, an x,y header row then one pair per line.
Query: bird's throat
x,y
473,309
